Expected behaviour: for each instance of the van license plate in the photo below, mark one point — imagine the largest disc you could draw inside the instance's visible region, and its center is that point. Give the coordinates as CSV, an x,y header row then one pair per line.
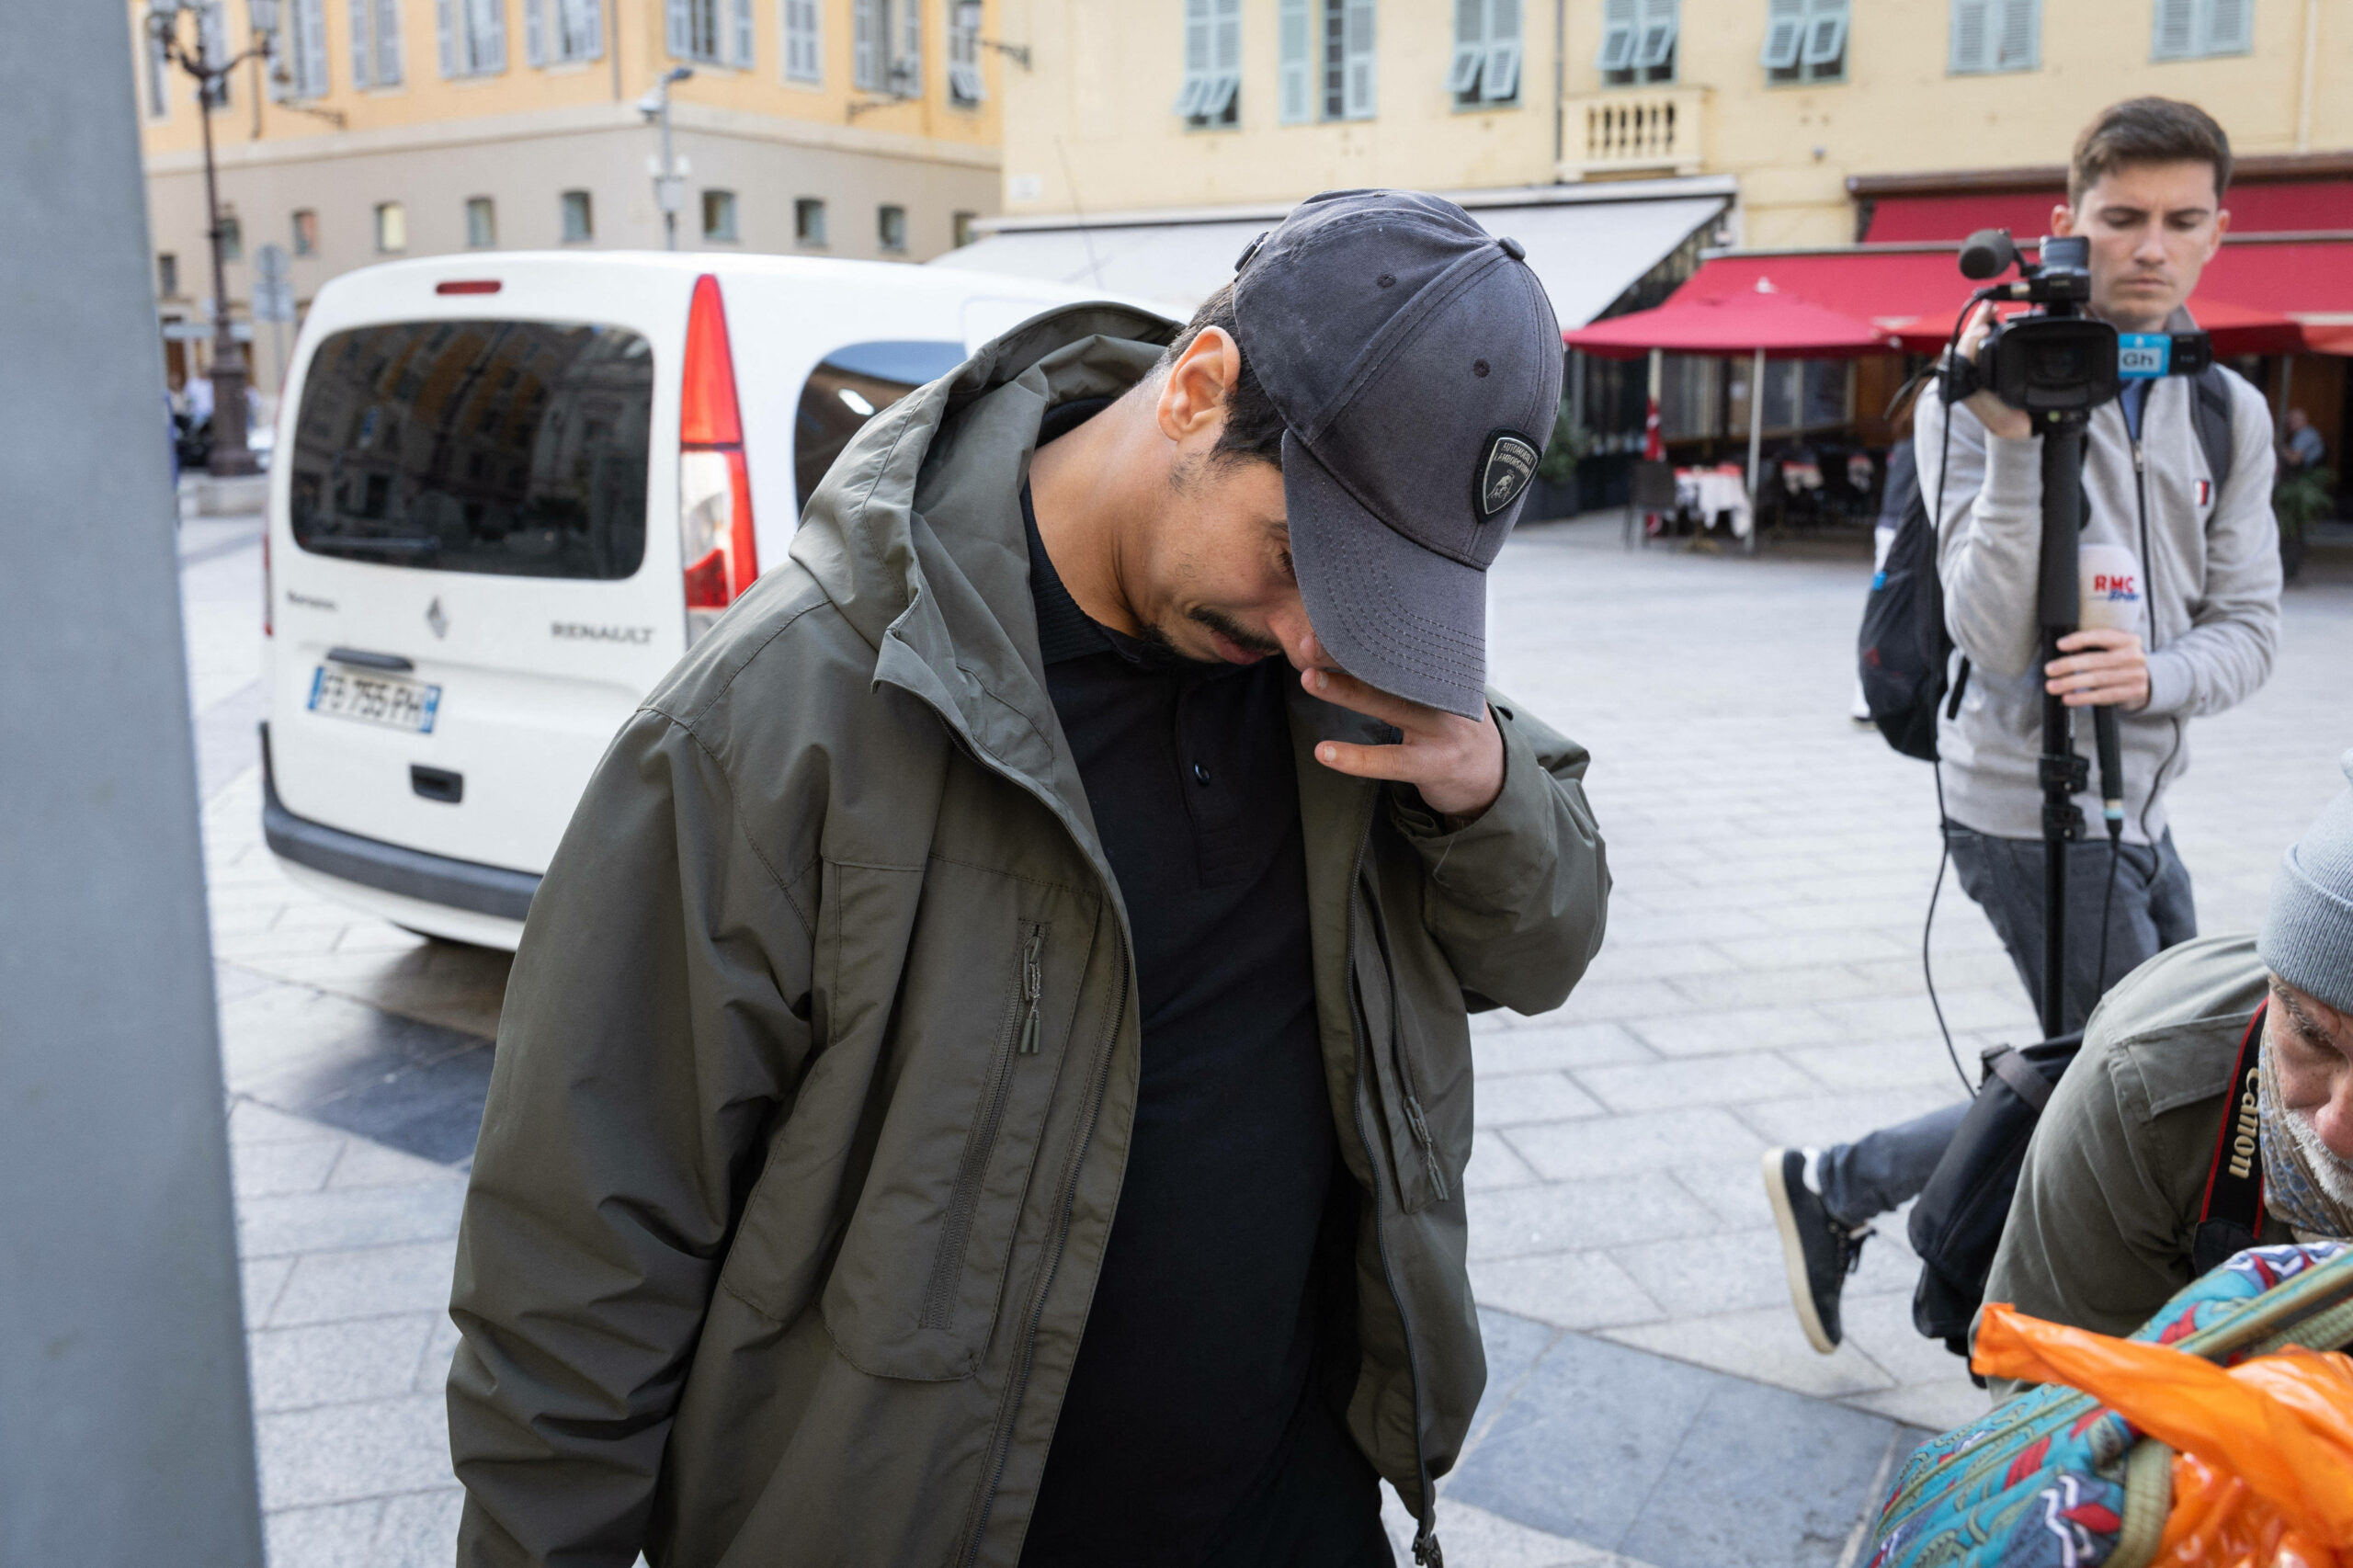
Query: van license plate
x,y
374,700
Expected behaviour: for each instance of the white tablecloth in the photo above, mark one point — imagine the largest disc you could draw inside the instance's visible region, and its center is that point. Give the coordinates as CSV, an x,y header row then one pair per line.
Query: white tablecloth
x,y
1709,492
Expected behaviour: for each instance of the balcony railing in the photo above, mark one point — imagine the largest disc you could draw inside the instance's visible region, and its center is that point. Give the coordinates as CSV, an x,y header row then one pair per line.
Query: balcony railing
x,y
1633,130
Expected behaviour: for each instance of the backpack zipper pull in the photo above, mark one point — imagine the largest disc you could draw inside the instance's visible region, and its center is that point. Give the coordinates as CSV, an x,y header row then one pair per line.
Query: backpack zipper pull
x,y
1033,982
1415,1120
1426,1550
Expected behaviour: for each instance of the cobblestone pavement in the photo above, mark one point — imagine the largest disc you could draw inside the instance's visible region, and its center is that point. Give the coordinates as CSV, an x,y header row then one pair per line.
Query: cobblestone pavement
x,y
1650,1397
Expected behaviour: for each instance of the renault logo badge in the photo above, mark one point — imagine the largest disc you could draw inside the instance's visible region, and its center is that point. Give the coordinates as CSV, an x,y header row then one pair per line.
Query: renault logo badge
x,y
434,618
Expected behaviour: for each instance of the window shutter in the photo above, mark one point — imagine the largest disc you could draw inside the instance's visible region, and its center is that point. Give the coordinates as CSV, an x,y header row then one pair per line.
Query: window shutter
x,y
361,69
739,33
1784,30
800,49
2019,47
2176,29
866,31
1356,41
678,27
1197,58
445,29
1825,33
1621,22
535,32
1655,45
1290,24
1971,25
1469,46
388,43
2230,27
314,48
1502,70
588,29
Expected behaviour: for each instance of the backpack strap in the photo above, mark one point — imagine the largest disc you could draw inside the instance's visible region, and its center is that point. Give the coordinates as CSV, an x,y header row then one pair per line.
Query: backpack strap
x,y
2210,411
2232,1215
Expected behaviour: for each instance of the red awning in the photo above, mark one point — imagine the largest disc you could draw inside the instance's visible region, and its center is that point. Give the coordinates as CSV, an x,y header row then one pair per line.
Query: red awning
x,y
1913,294
1781,325
2299,206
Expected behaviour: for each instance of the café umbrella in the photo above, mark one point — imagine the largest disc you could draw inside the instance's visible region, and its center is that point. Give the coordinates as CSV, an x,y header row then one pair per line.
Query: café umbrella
x,y
1762,322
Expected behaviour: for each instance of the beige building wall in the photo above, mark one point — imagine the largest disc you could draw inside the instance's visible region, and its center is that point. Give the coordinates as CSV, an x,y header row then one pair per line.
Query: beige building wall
x,y
1093,126
523,136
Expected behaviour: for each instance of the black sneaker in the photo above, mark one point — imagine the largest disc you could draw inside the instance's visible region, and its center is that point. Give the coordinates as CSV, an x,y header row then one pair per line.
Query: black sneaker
x,y
1819,1251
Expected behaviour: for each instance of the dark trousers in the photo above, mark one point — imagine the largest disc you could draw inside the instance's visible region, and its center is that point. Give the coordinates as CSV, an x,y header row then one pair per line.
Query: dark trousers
x,y
2153,910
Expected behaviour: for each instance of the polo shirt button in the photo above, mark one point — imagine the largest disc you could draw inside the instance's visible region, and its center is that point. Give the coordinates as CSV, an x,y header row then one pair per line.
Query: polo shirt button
x,y
1200,774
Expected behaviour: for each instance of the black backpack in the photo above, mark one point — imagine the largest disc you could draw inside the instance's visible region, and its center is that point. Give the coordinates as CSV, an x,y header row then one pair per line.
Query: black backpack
x,y
1956,1226
1904,648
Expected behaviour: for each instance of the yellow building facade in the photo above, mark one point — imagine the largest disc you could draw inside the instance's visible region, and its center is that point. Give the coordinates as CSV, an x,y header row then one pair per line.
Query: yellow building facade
x,y
1617,89
859,129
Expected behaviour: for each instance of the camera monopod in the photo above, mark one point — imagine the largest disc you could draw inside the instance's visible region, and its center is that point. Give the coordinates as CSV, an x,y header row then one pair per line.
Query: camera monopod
x,y
2057,365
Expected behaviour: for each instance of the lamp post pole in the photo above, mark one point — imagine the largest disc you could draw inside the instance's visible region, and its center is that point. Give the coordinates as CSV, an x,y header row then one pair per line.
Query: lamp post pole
x,y
230,456
669,185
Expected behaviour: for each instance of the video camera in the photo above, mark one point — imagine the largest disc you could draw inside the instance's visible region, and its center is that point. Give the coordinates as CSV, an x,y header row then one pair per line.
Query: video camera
x,y
2055,360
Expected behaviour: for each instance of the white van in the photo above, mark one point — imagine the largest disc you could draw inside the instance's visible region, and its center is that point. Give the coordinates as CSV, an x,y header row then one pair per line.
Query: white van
x,y
510,490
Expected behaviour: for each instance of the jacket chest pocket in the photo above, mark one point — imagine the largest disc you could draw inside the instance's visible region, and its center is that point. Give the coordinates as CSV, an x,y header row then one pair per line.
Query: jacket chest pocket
x,y
972,1051
1420,1057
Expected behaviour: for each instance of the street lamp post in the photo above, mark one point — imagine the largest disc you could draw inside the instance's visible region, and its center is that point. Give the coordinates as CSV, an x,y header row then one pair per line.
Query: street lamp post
x,y
669,180
230,455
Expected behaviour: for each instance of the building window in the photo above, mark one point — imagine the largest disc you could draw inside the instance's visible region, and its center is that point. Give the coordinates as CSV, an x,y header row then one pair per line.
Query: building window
x,y
717,32
2192,29
1295,63
213,22
298,67
233,238
473,35
375,43
719,215
579,217
1347,58
1486,54
167,275
1995,35
886,47
306,232
959,228
964,52
809,221
891,228
561,32
804,52
1637,42
391,228
482,222
1211,96
1805,40
159,78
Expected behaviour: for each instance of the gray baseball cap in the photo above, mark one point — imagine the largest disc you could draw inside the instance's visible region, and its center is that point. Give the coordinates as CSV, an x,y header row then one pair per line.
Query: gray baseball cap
x,y
1417,365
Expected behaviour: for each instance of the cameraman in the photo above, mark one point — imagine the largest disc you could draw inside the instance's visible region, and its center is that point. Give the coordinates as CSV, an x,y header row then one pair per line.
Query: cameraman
x,y
2145,189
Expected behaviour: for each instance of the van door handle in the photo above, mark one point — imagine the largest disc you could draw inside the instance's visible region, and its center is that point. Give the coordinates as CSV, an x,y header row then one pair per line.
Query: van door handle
x,y
368,661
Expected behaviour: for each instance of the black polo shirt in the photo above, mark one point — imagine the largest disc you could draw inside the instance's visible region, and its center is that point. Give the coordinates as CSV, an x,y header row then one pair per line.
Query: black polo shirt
x,y
1193,1432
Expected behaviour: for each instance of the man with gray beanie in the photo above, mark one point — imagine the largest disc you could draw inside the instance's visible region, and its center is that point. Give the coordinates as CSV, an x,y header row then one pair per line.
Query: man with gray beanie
x,y
2104,1225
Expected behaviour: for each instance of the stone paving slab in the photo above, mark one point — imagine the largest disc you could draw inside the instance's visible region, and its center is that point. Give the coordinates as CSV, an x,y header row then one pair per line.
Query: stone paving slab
x,y
1761,983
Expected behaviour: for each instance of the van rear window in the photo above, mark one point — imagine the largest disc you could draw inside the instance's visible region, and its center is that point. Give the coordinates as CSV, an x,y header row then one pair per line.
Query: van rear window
x,y
852,386
508,447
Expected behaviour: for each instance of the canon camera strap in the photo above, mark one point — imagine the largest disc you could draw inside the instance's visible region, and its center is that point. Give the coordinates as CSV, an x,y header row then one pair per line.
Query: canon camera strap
x,y
2231,1217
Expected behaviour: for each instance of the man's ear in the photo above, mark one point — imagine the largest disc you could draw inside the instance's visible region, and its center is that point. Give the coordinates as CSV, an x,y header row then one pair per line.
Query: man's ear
x,y
2063,219
1193,395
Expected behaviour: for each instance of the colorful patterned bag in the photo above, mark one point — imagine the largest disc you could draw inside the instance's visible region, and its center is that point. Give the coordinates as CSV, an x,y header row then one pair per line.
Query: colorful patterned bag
x,y
2054,1479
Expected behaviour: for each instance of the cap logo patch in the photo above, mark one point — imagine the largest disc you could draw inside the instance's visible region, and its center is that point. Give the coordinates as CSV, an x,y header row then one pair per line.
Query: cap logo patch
x,y
1505,471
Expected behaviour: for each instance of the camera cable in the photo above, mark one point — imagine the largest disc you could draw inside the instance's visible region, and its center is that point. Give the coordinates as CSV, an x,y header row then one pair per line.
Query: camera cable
x,y
1936,763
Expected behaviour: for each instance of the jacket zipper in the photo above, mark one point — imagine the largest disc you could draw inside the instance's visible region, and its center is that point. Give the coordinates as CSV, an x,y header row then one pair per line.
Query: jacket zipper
x,y
1408,1086
1000,1440
1020,1039
2149,600
1426,1550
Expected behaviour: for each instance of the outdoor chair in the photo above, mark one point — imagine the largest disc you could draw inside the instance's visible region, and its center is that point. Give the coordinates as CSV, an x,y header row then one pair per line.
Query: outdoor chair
x,y
1653,489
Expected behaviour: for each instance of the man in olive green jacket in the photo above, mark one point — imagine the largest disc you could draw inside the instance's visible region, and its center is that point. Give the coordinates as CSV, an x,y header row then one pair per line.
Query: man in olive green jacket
x,y
774,1251
2104,1225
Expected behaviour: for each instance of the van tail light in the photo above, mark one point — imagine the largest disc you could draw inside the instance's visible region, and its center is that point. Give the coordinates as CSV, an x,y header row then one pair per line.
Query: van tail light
x,y
714,486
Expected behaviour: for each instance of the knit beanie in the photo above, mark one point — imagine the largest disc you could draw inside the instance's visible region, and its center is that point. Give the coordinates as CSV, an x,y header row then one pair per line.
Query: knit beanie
x,y
2307,936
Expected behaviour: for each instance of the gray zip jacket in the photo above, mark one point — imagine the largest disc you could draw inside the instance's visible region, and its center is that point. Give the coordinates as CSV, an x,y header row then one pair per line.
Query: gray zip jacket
x,y
2208,591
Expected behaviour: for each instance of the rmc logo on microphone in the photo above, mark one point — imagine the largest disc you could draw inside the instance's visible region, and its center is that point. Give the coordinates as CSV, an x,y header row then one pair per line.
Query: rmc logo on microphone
x,y
2116,586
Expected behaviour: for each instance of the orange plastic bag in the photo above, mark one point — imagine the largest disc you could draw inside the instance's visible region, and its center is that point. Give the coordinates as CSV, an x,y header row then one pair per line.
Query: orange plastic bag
x,y
2263,1467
